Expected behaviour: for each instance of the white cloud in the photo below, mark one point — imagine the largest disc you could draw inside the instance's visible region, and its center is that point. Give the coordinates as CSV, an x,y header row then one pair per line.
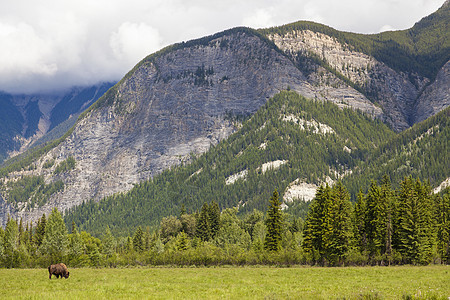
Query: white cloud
x,y
262,18
50,44
134,41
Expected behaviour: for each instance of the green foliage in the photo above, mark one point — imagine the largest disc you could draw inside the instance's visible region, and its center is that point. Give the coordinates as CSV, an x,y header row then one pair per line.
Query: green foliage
x,y
32,190
314,230
272,241
109,243
55,242
76,249
328,226
443,226
138,240
203,224
10,245
65,165
420,151
338,225
40,231
214,218
48,164
415,222
415,230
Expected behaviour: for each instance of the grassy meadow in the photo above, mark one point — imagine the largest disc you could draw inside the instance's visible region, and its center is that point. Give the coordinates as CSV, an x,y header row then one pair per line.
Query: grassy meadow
x,y
231,282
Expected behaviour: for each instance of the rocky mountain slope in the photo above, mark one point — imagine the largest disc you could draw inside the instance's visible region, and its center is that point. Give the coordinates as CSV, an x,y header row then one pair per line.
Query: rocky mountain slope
x,y
179,101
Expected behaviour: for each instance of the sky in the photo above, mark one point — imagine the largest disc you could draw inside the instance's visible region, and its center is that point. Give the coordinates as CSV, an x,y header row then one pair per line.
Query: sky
x,y
54,44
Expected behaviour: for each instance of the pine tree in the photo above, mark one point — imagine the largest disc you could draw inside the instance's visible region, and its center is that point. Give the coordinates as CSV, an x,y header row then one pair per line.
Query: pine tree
x,y
360,217
443,227
338,225
40,231
315,224
55,242
2,236
203,226
76,247
109,243
415,228
375,220
138,240
389,201
214,218
21,232
272,241
11,244
182,242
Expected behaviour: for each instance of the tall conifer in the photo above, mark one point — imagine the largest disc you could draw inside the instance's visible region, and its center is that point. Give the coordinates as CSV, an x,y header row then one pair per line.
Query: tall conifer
x,y
272,241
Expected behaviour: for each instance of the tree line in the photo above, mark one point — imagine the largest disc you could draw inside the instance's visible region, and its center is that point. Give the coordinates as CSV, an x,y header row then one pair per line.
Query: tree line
x,y
385,226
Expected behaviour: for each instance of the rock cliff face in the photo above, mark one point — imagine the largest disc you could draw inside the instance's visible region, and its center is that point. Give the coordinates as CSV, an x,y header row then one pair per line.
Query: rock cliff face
x,y
435,97
392,90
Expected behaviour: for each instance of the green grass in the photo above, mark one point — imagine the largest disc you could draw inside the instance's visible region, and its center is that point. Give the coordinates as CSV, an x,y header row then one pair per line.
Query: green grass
x,y
231,283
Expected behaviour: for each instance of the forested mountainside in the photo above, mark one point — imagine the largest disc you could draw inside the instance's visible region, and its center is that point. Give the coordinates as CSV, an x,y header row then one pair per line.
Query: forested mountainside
x,y
291,144
26,119
181,100
421,151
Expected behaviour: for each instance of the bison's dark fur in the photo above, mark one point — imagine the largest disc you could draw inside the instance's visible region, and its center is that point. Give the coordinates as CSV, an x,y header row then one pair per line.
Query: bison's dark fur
x,y
58,270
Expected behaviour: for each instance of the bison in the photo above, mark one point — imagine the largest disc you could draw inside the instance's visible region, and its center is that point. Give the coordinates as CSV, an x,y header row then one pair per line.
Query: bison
x,y
58,270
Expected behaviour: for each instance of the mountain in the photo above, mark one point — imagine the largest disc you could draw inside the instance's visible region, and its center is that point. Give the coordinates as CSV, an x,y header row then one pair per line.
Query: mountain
x,y
176,103
291,144
24,119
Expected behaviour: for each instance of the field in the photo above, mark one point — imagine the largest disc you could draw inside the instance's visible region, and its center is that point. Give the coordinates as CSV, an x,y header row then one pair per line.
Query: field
x,y
231,283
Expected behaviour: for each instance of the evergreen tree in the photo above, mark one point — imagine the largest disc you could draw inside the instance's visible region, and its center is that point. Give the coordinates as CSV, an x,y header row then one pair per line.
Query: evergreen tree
x,y
109,243
138,240
182,210
388,199
40,231
11,244
338,224
55,242
415,230
375,220
21,232
214,218
315,224
272,241
76,247
359,223
94,256
443,227
2,236
203,224
182,242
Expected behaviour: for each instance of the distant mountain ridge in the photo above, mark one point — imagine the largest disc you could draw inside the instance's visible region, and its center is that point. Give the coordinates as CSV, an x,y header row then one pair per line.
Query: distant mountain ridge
x,y
176,103
27,118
